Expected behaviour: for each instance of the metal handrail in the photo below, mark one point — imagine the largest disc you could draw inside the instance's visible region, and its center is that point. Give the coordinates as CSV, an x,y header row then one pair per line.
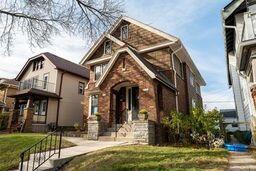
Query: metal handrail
x,y
39,150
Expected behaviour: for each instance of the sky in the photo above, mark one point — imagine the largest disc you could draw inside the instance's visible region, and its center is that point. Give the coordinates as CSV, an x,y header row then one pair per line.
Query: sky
x,y
196,22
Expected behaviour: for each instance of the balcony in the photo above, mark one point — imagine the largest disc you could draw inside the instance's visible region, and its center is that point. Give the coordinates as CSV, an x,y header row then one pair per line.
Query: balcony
x,y
37,84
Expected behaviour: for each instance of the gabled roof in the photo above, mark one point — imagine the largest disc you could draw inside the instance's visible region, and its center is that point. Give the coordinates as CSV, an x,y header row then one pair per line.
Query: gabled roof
x,y
143,63
98,43
142,25
167,36
59,63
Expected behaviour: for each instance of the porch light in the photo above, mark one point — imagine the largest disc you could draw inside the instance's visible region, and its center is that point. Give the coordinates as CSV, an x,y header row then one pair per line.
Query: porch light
x,y
145,89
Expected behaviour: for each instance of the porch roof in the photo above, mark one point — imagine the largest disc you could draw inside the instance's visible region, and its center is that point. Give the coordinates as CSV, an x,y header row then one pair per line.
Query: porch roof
x,y
34,91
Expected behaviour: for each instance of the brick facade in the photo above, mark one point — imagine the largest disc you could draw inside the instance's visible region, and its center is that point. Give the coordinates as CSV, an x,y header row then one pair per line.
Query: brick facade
x,y
157,98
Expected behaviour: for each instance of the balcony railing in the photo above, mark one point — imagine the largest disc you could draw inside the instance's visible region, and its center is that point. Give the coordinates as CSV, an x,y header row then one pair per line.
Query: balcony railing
x,y
37,84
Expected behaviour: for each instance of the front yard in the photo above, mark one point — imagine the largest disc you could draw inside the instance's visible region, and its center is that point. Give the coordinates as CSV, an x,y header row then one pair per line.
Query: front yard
x,y
151,158
12,144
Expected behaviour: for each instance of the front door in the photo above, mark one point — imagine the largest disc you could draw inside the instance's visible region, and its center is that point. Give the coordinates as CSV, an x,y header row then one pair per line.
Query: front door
x,y
132,103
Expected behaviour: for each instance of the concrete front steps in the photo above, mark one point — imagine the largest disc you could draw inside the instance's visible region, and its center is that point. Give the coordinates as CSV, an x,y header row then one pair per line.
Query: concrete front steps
x,y
124,133
52,164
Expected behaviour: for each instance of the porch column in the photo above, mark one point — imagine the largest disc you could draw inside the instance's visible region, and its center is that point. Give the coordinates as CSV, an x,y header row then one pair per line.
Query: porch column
x,y
28,115
13,116
93,129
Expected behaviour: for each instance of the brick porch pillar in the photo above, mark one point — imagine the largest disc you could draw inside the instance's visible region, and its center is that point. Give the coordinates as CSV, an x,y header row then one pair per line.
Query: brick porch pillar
x,y
93,129
28,115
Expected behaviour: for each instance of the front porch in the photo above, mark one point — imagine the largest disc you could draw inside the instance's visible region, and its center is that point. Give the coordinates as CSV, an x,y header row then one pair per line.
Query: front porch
x,y
124,123
31,110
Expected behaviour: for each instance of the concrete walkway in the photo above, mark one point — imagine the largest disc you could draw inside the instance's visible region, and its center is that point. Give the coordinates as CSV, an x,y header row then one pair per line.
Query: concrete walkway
x,y
67,154
241,161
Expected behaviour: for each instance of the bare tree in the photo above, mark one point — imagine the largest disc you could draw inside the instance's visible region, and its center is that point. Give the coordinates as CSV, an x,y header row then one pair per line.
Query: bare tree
x,y
39,20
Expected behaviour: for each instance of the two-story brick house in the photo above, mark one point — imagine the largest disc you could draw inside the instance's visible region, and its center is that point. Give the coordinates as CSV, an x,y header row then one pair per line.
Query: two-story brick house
x,y
134,66
7,87
51,91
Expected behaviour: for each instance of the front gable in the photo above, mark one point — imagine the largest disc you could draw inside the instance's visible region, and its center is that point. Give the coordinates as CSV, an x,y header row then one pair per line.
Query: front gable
x,y
99,52
138,37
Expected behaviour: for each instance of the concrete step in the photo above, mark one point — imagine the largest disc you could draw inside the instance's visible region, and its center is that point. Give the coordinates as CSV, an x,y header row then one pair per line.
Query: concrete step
x,y
106,138
50,165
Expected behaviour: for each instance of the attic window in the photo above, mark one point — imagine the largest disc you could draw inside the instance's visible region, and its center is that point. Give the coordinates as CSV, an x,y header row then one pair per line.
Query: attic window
x,y
124,32
108,47
38,65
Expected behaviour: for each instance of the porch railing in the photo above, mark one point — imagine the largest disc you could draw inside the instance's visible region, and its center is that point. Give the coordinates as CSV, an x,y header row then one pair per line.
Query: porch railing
x,y
37,84
36,155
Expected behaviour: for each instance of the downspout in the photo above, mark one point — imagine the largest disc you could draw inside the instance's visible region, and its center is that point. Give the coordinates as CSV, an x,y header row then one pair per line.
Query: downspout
x,y
58,106
175,76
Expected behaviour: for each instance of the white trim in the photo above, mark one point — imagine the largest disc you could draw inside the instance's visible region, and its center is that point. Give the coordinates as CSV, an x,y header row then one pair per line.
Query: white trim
x,y
98,60
112,61
90,105
98,43
152,48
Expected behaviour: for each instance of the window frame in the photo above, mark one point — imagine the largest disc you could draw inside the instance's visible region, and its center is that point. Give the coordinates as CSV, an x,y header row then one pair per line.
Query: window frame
x,y
45,82
121,32
103,67
105,43
91,107
81,88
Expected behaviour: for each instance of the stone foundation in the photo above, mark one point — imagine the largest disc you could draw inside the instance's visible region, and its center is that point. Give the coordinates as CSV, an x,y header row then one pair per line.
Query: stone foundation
x,y
144,132
93,130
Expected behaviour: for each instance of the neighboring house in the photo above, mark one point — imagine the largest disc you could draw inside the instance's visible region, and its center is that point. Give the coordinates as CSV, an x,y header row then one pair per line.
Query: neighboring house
x,y
51,91
134,66
239,22
230,120
7,87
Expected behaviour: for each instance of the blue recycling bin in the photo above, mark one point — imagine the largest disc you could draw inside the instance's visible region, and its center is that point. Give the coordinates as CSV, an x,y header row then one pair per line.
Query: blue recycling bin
x,y
236,147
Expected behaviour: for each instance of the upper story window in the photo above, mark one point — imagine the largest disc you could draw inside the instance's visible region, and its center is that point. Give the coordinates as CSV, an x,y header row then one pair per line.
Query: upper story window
x,y
45,81
38,64
124,32
178,66
251,79
81,87
192,79
108,47
98,70
197,89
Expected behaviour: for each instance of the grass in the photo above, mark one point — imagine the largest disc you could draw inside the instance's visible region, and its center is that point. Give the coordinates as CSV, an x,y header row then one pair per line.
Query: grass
x,y
11,145
151,158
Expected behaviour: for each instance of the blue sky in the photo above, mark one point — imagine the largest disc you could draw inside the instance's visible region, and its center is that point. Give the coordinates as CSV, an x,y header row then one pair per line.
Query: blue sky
x,y
197,23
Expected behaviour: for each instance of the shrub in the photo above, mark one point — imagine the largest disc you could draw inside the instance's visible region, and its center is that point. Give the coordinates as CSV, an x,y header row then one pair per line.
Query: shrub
x,y
77,126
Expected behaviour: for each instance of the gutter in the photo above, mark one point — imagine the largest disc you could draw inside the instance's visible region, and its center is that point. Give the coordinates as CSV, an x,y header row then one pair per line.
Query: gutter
x,y
175,77
58,105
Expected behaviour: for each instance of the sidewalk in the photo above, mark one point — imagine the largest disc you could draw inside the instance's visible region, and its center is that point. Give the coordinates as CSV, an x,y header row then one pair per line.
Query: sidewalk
x,y
241,161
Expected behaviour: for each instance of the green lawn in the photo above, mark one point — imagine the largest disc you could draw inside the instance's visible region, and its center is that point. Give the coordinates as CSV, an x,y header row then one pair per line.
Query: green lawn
x,y
151,158
12,144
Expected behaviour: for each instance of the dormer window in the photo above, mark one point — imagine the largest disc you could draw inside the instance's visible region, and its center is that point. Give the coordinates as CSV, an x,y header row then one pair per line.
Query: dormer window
x,y
124,32
108,47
